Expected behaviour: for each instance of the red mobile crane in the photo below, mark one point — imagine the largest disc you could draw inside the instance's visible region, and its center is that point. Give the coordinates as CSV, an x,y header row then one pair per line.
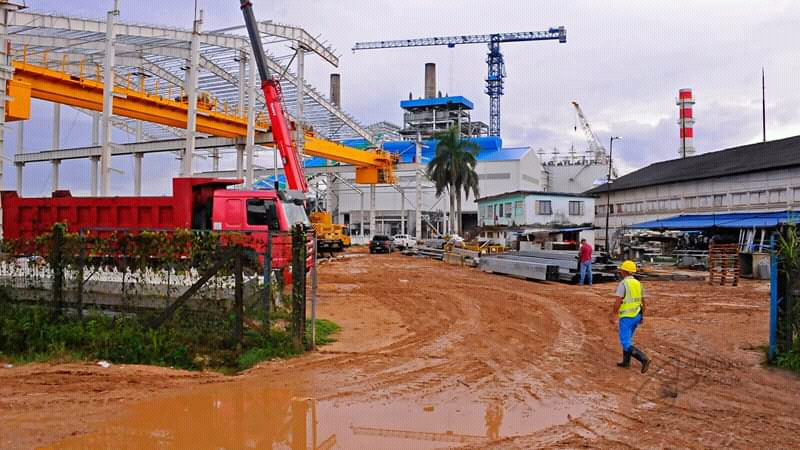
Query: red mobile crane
x,y
281,134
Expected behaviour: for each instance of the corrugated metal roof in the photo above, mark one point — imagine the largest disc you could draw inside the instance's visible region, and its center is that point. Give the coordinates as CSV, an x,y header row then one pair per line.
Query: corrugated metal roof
x,y
725,220
737,160
490,150
524,192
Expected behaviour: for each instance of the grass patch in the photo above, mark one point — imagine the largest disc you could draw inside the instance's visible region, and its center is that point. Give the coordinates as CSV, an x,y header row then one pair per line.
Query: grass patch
x,y
279,345
789,360
32,333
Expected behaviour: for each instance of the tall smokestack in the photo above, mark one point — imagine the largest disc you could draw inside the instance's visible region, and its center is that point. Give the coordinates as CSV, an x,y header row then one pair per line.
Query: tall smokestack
x,y
430,80
685,104
336,89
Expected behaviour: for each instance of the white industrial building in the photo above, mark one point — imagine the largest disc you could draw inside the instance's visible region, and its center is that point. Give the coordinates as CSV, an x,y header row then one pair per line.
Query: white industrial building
x,y
499,170
750,178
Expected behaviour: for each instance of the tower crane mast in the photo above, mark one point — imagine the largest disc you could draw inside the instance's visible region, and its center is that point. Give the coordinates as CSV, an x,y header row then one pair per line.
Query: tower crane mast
x,y
495,61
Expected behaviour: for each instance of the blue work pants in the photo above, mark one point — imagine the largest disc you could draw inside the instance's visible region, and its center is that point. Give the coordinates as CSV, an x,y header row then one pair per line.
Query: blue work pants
x,y
627,326
586,267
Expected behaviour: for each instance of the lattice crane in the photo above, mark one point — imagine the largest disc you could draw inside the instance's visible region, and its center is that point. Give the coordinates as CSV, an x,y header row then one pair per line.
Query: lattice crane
x,y
595,147
497,68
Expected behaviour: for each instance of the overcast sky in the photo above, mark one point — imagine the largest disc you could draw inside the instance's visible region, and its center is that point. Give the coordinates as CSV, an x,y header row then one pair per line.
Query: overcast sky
x,y
624,62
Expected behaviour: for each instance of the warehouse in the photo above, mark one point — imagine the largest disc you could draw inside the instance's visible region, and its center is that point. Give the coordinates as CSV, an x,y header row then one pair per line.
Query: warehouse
x,y
749,178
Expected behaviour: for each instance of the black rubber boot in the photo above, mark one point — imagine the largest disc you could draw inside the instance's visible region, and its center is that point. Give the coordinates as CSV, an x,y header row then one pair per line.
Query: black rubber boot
x,y
641,357
626,358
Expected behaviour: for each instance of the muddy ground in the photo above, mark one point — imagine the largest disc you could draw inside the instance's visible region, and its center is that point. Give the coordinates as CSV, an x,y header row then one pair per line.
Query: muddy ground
x,y
437,356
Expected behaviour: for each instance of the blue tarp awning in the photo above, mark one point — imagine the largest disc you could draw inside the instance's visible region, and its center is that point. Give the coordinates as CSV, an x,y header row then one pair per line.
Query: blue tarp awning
x,y
724,220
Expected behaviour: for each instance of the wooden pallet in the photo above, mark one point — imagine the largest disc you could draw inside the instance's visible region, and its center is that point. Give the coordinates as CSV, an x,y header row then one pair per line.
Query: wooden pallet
x,y
723,264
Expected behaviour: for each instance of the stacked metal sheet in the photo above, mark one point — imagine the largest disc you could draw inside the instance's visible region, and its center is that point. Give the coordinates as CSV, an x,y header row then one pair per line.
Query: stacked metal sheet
x,y
564,264
519,266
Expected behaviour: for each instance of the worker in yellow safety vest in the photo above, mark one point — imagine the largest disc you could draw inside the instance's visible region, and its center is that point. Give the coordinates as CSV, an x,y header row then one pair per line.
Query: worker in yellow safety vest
x,y
629,310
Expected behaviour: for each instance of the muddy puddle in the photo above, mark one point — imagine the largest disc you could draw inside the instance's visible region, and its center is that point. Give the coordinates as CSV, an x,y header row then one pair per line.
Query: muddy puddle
x,y
243,415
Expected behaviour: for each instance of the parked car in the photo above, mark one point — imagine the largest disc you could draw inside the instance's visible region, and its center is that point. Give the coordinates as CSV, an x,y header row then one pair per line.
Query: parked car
x,y
404,241
381,244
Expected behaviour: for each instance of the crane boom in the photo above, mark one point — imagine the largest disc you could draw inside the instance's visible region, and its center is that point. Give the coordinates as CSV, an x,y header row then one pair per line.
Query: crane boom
x,y
295,179
451,41
497,68
595,146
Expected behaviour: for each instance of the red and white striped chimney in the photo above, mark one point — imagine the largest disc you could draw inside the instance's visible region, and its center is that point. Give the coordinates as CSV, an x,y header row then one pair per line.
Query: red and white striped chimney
x,y
685,104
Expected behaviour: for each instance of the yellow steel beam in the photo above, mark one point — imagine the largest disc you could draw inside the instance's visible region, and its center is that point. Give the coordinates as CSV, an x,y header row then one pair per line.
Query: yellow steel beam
x,y
31,81
66,89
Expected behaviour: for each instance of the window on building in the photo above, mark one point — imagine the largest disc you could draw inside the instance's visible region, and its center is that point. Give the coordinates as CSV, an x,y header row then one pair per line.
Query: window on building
x,y
662,205
704,201
719,200
777,196
507,209
544,207
674,204
611,209
690,202
575,208
759,197
739,198
796,194
518,212
652,205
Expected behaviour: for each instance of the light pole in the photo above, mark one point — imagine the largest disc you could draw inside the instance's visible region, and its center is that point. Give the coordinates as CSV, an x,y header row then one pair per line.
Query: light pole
x,y
608,188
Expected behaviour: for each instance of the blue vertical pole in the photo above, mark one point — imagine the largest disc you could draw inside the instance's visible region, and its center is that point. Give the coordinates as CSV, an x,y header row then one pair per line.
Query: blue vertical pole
x,y
773,300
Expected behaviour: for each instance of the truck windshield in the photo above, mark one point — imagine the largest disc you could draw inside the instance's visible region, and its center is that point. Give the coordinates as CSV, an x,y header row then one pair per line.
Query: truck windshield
x,y
295,214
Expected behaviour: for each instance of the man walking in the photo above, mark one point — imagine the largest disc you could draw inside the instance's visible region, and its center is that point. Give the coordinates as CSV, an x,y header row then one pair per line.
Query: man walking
x,y
629,309
585,261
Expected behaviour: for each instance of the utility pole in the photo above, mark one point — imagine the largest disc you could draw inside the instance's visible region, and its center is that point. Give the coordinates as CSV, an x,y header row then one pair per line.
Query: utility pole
x,y
608,189
763,109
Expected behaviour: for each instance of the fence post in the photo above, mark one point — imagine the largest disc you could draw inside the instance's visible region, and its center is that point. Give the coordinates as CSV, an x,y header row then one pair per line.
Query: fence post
x,y
267,283
314,293
238,296
57,266
81,263
298,287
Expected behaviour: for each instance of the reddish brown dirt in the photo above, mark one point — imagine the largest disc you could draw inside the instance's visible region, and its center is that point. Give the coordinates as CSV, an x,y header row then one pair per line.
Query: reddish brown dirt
x,y
420,331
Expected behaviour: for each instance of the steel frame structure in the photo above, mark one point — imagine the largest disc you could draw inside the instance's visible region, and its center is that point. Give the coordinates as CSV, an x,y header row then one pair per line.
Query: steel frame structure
x,y
169,62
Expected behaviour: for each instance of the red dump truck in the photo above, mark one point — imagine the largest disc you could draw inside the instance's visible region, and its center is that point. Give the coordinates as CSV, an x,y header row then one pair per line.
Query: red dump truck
x,y
196,203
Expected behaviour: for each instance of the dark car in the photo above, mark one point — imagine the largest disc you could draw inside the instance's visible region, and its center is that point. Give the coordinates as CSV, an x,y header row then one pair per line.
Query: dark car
x,y
381,244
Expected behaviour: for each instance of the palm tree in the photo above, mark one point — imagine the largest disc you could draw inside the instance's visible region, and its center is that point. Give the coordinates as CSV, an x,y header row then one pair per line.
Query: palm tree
x,y
469,183
453,169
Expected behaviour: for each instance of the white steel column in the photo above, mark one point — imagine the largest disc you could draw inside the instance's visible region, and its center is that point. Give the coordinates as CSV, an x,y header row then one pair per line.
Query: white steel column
x,y
402,211
93,175
137,173
242,82
371,210
239,161
56,164
108,98
250,141
301,67
361,216
95,159
20,143
19,177
191,95
95,129
418,188
6,73
56,126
